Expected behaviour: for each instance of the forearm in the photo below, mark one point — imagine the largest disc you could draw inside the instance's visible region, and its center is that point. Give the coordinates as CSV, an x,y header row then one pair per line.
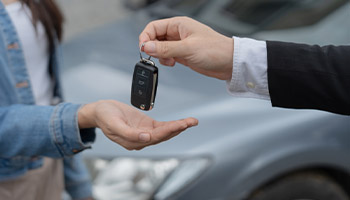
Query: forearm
x,y
312,77
28,130
292,75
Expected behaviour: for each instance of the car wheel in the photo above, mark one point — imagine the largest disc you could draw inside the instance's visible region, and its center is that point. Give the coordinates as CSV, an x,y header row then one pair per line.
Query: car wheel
x,y
301,186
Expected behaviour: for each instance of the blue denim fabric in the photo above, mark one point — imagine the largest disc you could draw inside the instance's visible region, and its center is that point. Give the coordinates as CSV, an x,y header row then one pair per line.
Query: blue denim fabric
x,y
29,132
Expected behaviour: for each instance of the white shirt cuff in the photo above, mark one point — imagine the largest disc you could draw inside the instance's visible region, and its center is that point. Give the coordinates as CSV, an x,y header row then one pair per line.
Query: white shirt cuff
x,y
249,74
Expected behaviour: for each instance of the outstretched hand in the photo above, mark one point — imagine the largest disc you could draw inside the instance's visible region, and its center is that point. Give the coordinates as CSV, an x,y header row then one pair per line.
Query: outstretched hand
x,y
191,43
129,127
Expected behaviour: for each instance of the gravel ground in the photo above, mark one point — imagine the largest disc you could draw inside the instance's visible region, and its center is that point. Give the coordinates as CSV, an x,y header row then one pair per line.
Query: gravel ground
x,y
82,15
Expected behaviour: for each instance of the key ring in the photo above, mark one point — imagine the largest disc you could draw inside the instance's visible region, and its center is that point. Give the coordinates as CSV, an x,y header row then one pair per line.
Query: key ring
x,y
148,60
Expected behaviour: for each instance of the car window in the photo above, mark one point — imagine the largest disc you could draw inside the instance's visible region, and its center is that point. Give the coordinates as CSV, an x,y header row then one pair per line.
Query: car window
x,y
280,14
188,7
255,12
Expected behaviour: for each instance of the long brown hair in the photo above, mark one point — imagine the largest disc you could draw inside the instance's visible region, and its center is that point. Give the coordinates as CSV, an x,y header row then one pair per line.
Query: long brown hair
x,y
48,13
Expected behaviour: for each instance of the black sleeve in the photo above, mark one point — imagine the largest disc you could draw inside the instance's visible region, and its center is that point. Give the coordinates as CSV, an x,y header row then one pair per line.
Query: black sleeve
x,y
310,77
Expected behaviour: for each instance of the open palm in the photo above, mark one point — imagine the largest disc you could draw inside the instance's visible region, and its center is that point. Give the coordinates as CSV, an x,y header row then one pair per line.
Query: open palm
x,y
133,129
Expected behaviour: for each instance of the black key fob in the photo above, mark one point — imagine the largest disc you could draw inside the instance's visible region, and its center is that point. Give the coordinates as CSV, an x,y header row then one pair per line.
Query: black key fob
x,y
144,84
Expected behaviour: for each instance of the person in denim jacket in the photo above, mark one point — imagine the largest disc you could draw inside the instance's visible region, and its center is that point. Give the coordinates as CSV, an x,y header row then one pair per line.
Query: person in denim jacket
x,y
40,135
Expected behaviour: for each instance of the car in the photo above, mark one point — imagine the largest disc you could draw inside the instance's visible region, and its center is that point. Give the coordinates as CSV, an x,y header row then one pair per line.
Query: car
x,y
138,4
243,149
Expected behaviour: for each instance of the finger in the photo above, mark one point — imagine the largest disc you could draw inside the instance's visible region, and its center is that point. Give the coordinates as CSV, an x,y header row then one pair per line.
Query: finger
x,y
165,28
166,49
125,143
130,134
166,130
167,61
169,137
173,135
190,121
135,135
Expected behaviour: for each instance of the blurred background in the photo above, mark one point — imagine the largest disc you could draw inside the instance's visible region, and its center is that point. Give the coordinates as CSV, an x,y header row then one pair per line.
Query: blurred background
x,y
243,149
84,15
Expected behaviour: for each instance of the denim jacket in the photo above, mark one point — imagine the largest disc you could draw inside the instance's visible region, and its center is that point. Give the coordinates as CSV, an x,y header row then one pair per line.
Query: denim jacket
x,y
29,132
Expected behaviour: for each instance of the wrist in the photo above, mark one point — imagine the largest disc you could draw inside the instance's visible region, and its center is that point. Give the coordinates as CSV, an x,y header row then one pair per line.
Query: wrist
x,y
227,65
230,55
86,116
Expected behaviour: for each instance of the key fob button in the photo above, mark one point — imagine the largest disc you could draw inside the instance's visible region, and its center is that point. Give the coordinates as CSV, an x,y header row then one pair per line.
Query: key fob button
x,y
140,91
143,72
141,81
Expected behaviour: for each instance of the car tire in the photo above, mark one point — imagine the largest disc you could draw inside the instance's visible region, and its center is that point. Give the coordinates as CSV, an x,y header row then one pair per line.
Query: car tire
x,y
301,186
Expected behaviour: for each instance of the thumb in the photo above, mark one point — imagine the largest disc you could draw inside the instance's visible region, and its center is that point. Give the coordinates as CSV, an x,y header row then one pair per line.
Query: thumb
x,y
165,49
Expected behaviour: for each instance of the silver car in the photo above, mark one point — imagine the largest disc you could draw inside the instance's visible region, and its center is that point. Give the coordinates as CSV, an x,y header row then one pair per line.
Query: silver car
x,y
243,149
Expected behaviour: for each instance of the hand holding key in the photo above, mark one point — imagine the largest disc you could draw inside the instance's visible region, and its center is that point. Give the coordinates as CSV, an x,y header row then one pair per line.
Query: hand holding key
x,y
186,41
129,127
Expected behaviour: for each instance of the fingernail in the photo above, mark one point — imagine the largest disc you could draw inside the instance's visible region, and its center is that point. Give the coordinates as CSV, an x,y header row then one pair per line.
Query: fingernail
x,y
150,47
144,137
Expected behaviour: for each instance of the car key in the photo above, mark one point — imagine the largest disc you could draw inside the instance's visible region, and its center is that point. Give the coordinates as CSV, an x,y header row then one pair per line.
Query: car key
x,y
144,84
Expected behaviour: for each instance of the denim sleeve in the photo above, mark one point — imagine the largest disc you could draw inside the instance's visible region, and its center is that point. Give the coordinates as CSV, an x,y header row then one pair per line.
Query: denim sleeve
x,y
77,179
29,130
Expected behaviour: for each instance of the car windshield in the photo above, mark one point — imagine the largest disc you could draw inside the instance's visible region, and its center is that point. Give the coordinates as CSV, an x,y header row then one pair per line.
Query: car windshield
x,y
189,7
255,15
281,14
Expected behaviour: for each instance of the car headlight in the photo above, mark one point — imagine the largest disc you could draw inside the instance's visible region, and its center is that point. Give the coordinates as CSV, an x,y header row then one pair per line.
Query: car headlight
x,y
183,175
141,179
